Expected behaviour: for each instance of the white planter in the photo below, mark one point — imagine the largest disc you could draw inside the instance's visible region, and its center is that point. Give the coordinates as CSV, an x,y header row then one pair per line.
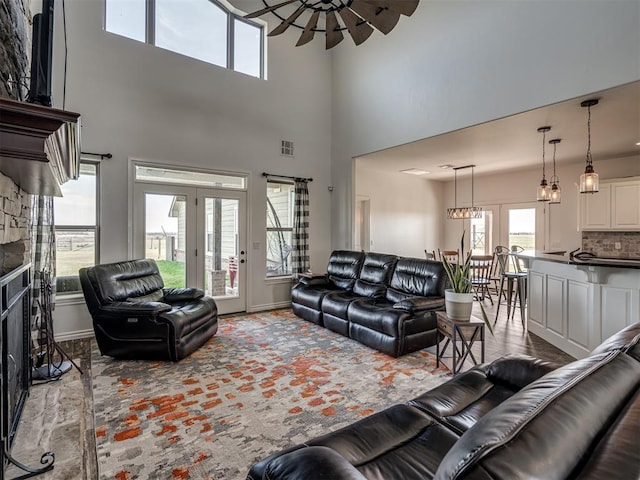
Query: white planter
x,y
458,305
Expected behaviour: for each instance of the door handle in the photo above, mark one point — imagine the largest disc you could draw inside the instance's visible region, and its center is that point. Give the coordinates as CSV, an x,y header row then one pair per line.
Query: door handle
x,y
242,261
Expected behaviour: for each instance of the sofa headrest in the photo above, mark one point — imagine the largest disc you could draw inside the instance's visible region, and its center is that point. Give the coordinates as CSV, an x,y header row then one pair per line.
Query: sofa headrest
x,y
548,429
625,339
344,267
420,277
377,267
119,281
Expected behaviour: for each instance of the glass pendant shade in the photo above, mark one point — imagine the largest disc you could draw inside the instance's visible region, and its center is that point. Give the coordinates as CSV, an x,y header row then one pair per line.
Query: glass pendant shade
x,y
556,193
589,181
544,192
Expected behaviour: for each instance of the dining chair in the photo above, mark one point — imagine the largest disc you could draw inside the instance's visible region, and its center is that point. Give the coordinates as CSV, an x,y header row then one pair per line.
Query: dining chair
x,y
451,255
480,275
430,255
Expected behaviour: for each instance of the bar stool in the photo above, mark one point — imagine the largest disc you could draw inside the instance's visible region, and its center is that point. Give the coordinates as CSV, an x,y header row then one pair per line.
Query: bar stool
x,y
517,279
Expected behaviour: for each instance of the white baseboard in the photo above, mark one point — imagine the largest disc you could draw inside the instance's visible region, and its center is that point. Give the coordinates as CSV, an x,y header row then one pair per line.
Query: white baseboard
x,y
269,306
74,335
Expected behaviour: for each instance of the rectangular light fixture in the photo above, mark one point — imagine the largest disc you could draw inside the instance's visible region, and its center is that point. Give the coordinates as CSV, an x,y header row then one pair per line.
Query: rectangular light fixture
x,y
414,171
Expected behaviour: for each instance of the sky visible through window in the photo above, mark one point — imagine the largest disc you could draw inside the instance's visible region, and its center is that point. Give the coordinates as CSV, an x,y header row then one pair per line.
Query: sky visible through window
x,y
195,28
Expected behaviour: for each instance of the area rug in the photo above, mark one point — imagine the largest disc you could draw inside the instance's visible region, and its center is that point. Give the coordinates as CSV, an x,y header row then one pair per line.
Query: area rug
x,y
264,382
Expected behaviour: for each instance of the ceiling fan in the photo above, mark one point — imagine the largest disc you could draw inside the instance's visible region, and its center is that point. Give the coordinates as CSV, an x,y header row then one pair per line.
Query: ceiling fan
x,y
358,17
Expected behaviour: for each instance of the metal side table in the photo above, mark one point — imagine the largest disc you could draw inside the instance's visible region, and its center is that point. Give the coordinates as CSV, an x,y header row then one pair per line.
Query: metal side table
x,y
466,333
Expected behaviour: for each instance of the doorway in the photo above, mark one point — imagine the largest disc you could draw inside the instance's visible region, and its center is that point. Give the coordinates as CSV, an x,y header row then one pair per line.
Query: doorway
x,y
196,235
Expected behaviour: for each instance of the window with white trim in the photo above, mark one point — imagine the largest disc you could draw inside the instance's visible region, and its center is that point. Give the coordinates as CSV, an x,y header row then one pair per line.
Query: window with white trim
x,y
206,30
280,205
76,227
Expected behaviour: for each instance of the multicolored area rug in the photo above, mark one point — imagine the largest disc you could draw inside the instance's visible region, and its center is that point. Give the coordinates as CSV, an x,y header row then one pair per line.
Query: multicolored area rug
x,y
264,382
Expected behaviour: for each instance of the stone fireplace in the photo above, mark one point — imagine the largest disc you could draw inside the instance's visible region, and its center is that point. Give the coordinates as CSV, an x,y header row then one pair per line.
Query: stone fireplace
x,y
15,208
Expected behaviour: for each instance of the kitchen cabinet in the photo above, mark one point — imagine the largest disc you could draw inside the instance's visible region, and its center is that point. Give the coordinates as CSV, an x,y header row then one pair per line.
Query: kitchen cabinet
x,y
615,207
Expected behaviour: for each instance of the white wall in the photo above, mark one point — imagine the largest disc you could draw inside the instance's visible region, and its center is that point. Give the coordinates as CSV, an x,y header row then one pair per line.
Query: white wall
x,y
405,211
142,102
456,64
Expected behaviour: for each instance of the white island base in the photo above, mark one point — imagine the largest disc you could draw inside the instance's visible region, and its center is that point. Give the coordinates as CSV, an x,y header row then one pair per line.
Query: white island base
x,y
576,307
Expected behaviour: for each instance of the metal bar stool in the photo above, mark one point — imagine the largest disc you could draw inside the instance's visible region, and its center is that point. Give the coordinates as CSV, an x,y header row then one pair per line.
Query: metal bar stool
x,y
512,278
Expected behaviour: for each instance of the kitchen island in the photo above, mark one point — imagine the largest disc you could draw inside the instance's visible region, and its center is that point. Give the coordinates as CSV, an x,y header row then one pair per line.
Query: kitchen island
x,y
576,304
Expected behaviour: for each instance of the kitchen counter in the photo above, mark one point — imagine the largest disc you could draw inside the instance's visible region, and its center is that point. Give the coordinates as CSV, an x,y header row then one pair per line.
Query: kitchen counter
x,y
576,304
564,258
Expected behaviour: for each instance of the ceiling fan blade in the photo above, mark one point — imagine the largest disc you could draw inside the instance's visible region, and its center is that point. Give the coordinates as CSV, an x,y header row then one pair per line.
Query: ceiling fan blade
x,y
309,31
358,29
381,18
334,35
405,7
284,25
268,9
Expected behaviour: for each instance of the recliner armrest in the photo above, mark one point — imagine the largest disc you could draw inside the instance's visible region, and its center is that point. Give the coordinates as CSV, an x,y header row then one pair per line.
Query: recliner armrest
x,y
136,308
412,304
181,294
315,462
315,281
519,370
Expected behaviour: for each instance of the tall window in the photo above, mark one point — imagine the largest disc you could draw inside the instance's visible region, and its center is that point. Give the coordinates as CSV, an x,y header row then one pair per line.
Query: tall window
x,y
280,202
76,226
203,29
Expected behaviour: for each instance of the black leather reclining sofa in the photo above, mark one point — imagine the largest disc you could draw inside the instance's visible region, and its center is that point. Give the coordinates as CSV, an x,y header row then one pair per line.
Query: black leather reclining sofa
x,y
513,419
382,301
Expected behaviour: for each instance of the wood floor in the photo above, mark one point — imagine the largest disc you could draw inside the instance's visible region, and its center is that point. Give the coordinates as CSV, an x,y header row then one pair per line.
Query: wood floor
x,y
509,337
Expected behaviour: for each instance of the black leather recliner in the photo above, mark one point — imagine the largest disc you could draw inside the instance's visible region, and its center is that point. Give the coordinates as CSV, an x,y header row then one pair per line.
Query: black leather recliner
x,y
371,283
135,317
342,271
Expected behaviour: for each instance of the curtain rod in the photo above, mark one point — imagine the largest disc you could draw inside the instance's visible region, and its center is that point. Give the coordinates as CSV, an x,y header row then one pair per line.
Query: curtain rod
x,y
101,155
298,179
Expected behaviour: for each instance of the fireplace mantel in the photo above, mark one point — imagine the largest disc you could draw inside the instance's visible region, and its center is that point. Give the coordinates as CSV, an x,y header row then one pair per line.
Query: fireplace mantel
x,y
39,146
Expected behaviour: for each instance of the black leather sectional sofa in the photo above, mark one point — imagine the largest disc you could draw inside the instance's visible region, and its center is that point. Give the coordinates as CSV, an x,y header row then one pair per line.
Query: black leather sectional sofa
x,y
513,419
382,301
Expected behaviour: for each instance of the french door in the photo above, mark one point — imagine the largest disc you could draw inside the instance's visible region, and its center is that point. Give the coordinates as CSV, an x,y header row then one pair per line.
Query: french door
x,y
197,236
521,224
524,225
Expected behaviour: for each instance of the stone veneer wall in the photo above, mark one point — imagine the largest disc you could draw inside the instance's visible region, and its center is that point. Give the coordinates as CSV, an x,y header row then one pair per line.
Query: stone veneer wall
x,y
15,50
603,243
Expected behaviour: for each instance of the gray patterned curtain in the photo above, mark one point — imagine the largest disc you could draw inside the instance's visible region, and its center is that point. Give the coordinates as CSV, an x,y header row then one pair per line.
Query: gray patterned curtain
x,y
43,249
300,237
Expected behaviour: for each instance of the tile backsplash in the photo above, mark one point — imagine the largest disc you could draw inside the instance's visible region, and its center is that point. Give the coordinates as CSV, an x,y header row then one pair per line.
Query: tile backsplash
x,y
604,244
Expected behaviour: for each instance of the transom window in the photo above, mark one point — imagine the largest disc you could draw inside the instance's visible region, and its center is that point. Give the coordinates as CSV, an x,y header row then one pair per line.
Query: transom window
x,y
206,30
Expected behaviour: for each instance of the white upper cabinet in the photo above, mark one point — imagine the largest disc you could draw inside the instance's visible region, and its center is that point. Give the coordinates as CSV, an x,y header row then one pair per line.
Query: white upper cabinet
x,y
615,207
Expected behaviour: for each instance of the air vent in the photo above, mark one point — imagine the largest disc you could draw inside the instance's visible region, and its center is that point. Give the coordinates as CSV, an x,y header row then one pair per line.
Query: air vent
x,y
286,148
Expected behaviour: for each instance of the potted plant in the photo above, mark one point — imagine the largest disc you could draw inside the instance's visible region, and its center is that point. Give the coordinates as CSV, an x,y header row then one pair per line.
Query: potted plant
x,y
459,297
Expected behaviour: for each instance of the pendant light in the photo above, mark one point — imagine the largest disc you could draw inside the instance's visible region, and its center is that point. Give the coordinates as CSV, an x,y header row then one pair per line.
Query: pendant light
x,y
543,192
589,181
463,212
556,193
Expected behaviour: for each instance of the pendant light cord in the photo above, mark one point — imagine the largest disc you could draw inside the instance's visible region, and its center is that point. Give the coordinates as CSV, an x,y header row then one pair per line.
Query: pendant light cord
x,y
544,135
589,159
